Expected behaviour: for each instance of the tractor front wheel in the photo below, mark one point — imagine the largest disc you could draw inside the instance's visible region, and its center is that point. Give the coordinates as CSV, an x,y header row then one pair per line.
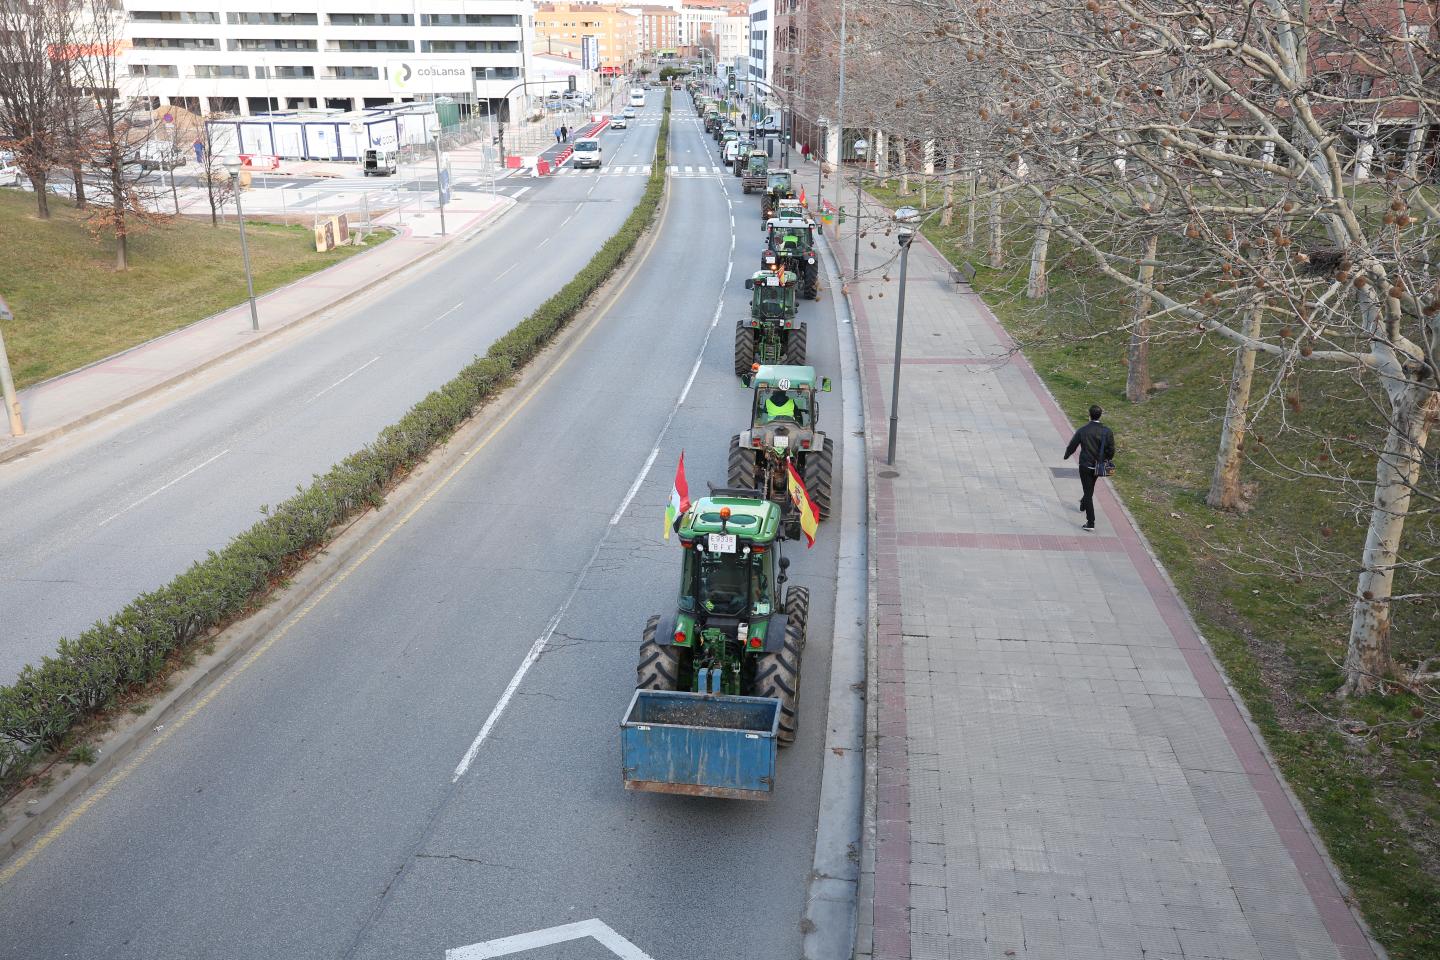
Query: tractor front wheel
x,y
778,675
744,351
795,346
659,667
797,607
819,476
740,466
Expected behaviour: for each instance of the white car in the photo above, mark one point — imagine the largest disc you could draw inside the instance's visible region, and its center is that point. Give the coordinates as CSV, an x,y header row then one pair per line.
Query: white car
x,y
618,122
630,113
732,150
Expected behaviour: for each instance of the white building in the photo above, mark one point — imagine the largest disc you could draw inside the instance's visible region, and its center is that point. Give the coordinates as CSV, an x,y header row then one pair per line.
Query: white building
x,y
696,24
762,54
249,56
732,38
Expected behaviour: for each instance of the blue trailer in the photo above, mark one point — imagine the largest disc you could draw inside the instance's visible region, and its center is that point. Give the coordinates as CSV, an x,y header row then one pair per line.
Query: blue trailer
x,y
700,745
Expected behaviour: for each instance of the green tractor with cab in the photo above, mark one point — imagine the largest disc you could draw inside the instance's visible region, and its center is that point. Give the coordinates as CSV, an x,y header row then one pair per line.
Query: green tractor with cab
x,y
779,185
731,632
790,246
784,430
771,334
755,170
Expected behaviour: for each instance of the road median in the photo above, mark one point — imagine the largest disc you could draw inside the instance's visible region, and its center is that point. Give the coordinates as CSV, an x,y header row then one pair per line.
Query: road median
x,y
95,676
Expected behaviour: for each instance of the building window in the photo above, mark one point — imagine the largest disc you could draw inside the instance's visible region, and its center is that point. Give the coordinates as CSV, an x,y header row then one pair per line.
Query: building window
x,y
173,16
469,20
387,46
176,43
282,46
285,73
273,19
153,70
469,46
371,19
496,73
355,73
216,72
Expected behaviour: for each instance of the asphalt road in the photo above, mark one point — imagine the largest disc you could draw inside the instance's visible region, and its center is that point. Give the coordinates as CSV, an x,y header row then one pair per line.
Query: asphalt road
x,y
123,506
312,808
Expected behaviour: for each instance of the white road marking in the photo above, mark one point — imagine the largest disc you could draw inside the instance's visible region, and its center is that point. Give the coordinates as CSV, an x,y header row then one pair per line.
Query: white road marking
x,y
507,270
164,487
522,942
520,191
542,243
355,371
425,327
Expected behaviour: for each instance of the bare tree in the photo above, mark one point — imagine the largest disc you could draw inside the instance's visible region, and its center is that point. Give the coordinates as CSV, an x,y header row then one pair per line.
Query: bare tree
x,y
218,185
30,88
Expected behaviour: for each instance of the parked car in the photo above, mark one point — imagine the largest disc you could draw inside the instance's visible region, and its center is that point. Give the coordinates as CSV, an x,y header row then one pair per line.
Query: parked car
x,y
161,156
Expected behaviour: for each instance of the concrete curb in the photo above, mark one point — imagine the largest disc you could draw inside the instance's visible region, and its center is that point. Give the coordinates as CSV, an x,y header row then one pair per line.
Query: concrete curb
x,y
48,811
830,906
32,442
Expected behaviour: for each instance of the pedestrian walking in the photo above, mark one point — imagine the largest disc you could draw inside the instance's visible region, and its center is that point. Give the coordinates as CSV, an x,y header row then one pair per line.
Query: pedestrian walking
x,y
564,134
1096,444
559,133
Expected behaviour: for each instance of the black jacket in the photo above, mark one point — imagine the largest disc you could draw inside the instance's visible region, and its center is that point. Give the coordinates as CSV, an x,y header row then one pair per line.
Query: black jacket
x,y
1096,443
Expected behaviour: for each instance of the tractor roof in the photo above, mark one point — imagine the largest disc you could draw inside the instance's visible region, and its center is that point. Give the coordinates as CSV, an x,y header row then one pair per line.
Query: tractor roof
x,y
753,521
773,278
770,376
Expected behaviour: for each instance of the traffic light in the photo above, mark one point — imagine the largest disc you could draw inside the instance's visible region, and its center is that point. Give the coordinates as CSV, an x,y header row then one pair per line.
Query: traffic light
x,y
730,83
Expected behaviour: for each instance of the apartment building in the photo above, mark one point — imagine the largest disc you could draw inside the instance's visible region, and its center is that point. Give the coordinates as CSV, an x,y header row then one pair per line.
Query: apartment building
x,y
659,28
617,31
249,56
732,38
761,26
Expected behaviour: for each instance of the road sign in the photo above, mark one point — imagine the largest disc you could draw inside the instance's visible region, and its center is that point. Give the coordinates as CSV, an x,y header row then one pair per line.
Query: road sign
x,y
520,943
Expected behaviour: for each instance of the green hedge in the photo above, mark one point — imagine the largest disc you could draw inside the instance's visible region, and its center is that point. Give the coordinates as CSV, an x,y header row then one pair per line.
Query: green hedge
x,y
89,673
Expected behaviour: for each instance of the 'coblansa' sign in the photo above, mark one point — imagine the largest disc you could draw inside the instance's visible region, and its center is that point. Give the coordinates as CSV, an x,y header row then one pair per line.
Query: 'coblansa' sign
x,y
426,76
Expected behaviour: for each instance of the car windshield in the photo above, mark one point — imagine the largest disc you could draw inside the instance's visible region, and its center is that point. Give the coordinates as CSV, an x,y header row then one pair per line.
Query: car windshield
x,y
727,584
586,146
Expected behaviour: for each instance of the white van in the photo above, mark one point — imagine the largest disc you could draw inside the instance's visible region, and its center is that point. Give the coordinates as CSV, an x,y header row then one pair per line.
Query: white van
x,y
587,154
637,97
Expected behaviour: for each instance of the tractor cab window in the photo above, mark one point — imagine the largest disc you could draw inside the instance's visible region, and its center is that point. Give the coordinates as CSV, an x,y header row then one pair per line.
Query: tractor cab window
x,y
725,584
802,407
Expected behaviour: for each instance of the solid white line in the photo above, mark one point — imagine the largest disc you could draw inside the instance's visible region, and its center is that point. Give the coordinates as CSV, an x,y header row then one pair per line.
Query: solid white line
x,y
518,192
167,486
639,479
542,243
353,372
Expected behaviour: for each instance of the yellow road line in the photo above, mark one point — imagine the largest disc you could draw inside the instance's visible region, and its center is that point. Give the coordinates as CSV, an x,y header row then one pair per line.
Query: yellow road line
x,y
119,776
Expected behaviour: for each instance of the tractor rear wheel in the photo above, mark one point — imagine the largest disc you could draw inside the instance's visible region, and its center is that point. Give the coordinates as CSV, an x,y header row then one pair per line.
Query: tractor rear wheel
x,y
795,346
778,675
659,667
740,466
810,282
819,476
797,607
744,351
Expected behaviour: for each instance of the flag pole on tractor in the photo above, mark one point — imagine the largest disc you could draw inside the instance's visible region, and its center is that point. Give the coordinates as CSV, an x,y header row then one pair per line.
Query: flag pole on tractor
x,y
809,515
679,498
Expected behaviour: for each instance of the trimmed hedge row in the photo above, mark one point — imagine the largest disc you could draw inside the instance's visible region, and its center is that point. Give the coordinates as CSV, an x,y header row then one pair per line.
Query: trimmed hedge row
x,y
89,673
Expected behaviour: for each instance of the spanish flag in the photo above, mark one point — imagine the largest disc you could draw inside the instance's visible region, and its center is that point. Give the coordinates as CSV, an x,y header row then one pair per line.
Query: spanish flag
x,y
809,515
679,498
802,196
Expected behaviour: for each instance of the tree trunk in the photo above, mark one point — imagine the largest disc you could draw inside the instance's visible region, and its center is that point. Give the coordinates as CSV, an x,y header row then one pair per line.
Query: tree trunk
x,y
42,199
77,175
1039,250
947,196
1225,483
904,161
997,235
1137,352
971,204
1413,411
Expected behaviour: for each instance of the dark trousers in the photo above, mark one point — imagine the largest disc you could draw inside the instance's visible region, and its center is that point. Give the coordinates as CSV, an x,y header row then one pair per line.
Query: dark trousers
x,y
1087,494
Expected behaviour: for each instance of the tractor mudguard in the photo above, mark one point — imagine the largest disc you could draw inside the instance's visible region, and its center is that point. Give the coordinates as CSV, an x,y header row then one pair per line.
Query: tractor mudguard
x,y
775,633
665,633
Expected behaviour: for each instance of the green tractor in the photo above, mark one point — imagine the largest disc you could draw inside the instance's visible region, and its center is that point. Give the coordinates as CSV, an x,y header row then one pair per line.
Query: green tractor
x,y
784,430
791,247
744,147
778,186
757,166
712,120
731,633
771,334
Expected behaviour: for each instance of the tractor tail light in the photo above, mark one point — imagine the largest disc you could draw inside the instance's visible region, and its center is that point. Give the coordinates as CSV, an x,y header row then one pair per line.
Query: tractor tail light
x,y
754,441
804,444
754,643
679,636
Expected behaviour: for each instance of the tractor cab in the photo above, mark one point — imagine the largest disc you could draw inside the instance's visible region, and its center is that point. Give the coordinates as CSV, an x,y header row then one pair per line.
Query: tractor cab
x,y
791,207
729,571
757,164
789,237
712,120
798,407
784,432
772,295
778,184
728,133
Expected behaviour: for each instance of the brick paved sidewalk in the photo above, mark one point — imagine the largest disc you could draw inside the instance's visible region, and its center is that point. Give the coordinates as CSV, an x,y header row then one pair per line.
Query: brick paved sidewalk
x,y
1057,769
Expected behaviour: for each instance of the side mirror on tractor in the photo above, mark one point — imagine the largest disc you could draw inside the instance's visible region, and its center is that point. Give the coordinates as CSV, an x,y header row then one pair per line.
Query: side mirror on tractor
x,y
749,283
825,384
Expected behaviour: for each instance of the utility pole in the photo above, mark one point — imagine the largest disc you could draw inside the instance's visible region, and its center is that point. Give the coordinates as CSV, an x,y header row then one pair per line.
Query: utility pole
x,y
7,384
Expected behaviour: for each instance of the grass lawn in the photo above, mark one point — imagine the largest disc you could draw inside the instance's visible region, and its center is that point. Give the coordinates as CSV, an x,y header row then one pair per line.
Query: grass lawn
x,y
72,308
1367,770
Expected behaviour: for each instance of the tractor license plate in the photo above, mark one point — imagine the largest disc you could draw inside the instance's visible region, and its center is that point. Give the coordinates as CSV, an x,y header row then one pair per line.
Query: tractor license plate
x,y
722,543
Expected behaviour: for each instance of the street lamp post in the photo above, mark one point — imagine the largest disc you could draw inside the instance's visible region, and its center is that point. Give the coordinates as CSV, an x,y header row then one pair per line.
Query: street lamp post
x,y
905,219
7,383
232,166
861,146
439,186
822,123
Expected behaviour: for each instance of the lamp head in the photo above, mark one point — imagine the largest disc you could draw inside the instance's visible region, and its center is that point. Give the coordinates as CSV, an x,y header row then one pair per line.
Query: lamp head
x,y
905,220
232,165
861,147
